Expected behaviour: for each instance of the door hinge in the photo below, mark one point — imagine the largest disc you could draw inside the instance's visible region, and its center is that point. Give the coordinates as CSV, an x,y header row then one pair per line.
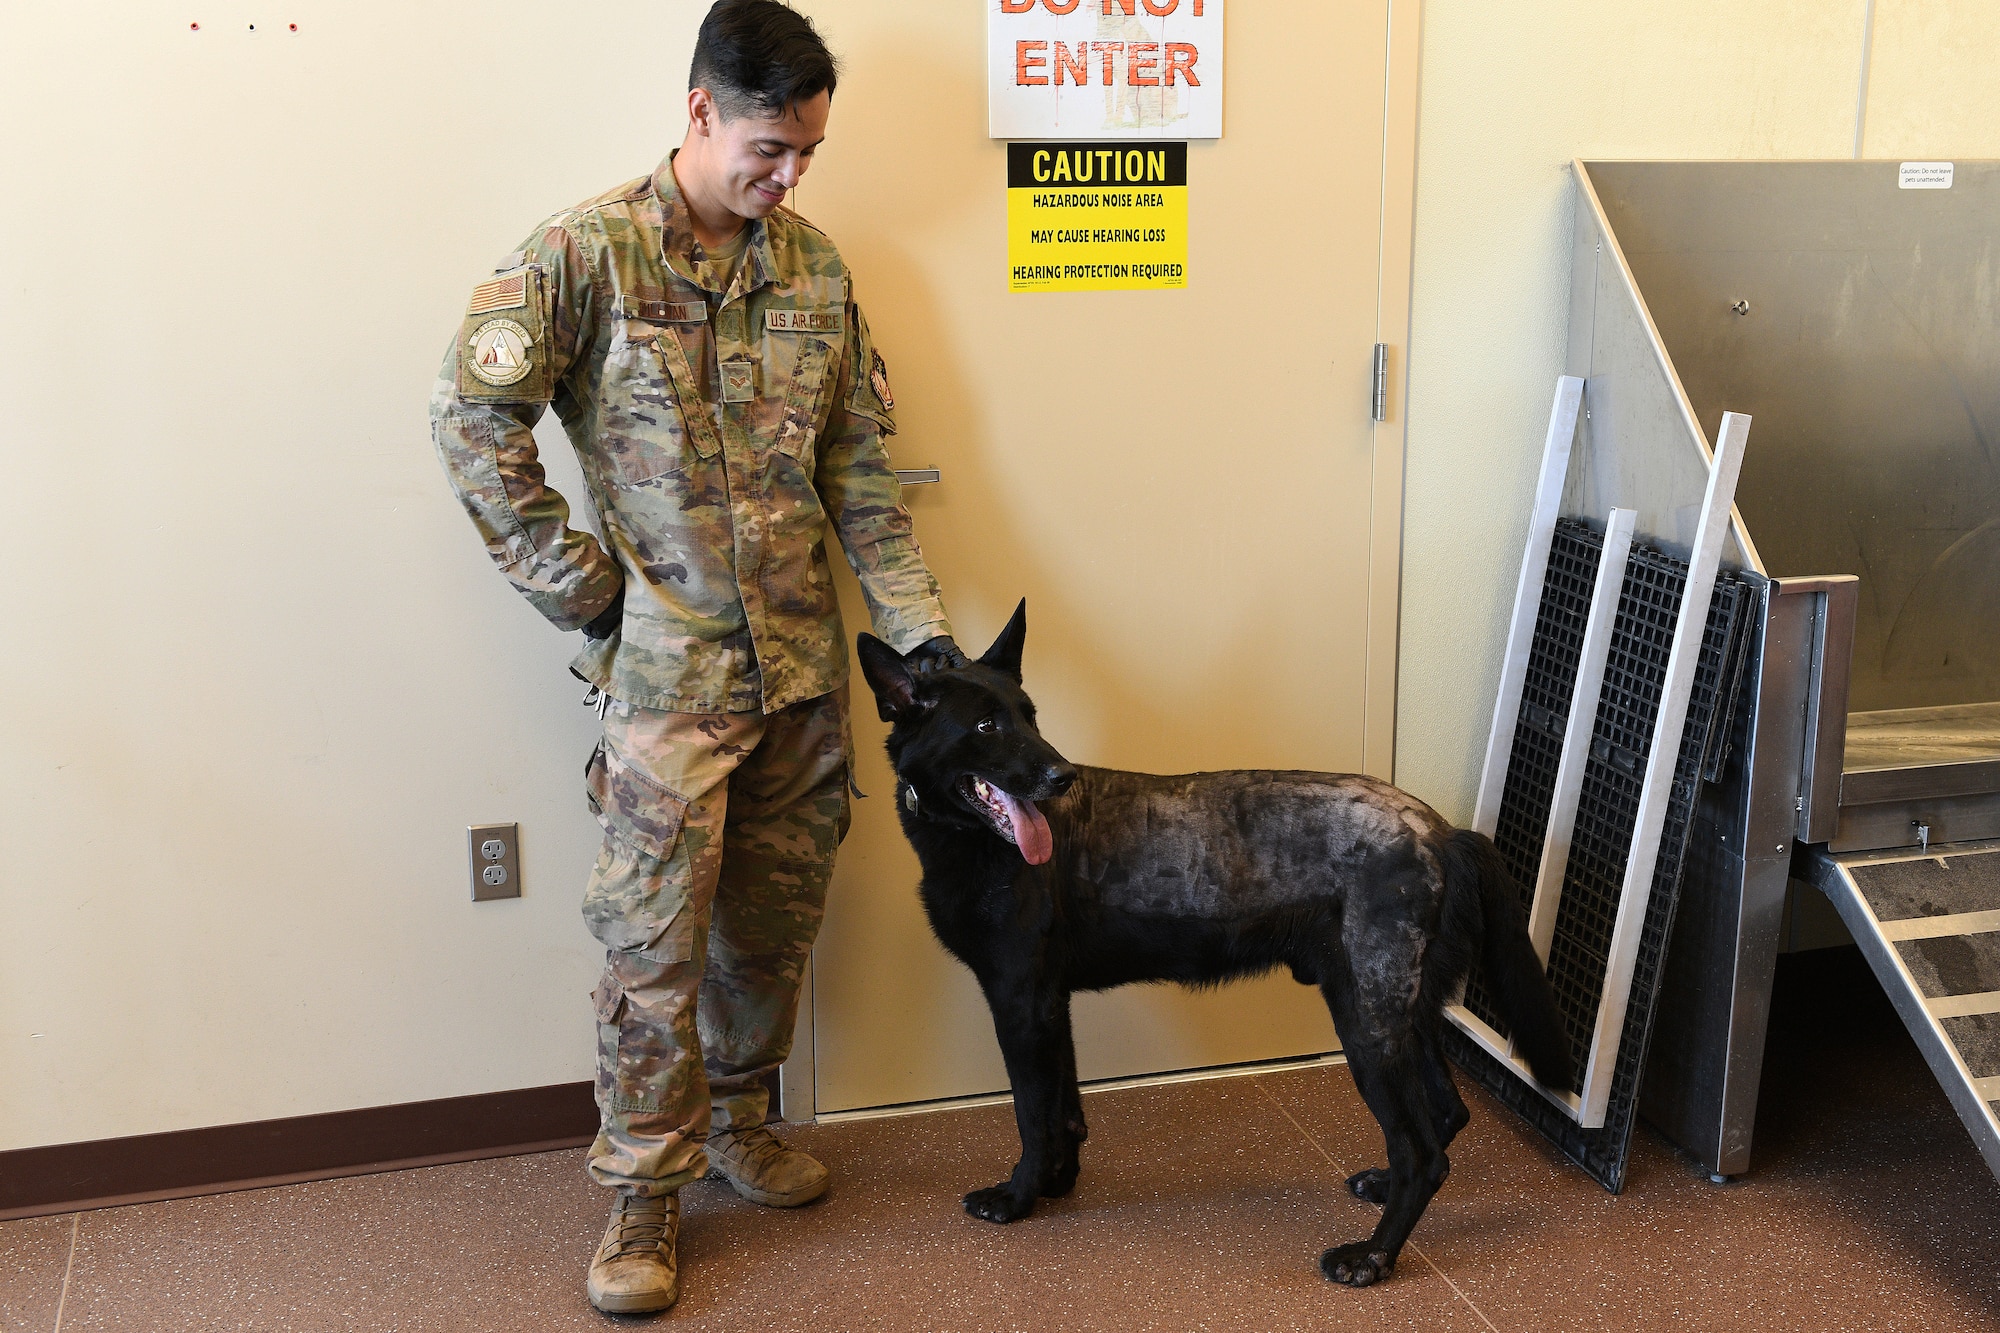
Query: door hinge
x,y
1379,408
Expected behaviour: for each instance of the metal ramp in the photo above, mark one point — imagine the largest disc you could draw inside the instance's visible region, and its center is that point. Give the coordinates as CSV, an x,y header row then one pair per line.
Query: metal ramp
x,y
1928,923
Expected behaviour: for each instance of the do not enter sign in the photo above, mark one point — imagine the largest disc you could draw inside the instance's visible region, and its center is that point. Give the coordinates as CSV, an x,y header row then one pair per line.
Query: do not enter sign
x,y
1103,69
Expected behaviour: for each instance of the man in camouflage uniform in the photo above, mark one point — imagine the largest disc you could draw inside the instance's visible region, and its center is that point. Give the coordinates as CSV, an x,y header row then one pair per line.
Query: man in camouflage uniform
x,y
705,354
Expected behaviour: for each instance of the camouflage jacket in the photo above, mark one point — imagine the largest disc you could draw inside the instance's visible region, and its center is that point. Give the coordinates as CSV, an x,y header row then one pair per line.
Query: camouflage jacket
x,y
719,431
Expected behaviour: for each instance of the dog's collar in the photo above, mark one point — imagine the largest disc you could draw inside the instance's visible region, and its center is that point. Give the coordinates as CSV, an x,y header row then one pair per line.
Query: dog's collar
x,y
909,798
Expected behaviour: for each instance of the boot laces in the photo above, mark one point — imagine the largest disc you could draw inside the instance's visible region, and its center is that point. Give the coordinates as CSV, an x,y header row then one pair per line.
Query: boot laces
x,y
756,1147
642,1226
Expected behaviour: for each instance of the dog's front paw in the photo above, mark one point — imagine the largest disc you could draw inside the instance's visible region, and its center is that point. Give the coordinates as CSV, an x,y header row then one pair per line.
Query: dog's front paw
x,y
998,1203
1062,1180
1372,1185
1356,1265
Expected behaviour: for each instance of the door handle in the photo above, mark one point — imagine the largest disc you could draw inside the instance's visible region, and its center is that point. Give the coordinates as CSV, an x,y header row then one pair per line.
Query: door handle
x,y
917,476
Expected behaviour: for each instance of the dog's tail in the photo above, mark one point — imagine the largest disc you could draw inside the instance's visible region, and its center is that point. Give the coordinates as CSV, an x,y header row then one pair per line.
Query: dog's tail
x,y
1482,904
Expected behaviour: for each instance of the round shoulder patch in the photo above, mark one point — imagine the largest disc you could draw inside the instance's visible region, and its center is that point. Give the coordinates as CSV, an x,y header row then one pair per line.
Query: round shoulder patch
x,y
499,352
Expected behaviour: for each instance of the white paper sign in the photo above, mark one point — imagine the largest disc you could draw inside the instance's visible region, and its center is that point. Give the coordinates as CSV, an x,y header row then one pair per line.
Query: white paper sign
x,y
1924,176
1104,69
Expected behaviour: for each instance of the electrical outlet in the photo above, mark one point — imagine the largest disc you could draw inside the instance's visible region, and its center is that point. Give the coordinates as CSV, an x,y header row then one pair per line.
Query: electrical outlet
x,y
496,860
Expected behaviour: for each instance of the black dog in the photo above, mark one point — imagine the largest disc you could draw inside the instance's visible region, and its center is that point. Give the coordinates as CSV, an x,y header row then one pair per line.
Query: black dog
x,y
1046,879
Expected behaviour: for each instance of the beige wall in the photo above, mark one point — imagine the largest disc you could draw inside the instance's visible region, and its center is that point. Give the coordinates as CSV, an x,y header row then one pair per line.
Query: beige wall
x,y
1510,94
255,674
1931,86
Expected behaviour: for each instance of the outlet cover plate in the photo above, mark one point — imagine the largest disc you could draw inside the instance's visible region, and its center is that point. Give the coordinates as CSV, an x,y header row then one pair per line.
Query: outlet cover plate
x,y
495,853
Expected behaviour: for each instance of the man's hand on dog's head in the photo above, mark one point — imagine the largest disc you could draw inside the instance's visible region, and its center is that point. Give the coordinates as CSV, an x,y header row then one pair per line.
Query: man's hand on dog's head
x,y
939,654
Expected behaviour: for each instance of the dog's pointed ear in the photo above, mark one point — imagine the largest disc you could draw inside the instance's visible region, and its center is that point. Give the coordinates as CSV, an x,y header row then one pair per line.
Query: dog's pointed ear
x,y
889,676
1005,654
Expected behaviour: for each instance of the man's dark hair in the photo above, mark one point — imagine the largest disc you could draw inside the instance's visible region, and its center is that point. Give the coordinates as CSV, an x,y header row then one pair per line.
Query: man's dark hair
x,y
760,57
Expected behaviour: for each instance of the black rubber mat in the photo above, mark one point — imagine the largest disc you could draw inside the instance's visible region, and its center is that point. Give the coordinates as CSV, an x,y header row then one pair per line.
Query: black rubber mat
x,y
1977,1037
1930,886
1642,637
1953,964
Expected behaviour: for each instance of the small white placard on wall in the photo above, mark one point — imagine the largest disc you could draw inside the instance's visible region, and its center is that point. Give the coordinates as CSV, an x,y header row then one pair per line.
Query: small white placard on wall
x,y
1104,69
1924,176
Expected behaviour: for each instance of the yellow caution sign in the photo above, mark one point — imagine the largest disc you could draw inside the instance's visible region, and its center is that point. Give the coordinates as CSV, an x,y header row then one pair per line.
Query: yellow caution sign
x,y
1096,217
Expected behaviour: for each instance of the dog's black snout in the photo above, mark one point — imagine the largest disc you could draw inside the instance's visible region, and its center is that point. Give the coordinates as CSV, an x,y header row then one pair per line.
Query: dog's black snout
x,y
1059,778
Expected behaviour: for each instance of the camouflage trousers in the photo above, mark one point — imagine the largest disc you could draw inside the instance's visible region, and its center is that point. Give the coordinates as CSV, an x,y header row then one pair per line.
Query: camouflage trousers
x,y
720,833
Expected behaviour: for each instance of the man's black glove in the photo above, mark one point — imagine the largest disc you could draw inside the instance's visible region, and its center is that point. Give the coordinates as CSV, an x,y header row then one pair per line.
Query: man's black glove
x,y
939,654
607,621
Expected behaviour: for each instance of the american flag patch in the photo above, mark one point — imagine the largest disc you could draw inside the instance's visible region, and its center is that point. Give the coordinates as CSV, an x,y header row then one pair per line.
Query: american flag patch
x,y
504,293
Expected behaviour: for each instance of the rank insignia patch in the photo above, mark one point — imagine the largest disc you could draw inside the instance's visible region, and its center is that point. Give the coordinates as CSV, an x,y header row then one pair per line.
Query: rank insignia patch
x,y
737,384
878,379
499,353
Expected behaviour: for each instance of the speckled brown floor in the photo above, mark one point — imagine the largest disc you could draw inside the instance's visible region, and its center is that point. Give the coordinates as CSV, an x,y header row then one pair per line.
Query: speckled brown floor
x,y
1202,1206
34,1256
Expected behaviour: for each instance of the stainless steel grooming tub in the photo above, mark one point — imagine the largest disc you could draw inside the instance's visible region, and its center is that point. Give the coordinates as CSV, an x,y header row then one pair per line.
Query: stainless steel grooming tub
x,y
1852,310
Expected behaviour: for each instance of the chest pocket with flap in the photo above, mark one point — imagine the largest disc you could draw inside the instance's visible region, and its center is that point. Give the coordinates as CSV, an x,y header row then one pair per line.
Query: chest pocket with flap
x,y
805,401
644,435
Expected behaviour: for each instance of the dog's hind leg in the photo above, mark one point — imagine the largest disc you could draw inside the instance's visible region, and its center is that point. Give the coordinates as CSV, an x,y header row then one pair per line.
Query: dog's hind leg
x,y
1033,1028
1448,1113
1448,1116
1390,1083
1374,1002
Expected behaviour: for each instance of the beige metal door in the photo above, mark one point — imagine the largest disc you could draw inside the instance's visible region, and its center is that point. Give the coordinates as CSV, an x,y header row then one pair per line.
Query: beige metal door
x,y
1185,485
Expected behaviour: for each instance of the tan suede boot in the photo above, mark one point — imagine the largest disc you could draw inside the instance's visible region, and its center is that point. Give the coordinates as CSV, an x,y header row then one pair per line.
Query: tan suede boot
x,y
633,1271
763,1170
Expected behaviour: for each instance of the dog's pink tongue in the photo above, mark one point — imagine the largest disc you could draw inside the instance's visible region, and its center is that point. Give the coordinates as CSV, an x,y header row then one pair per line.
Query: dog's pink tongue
x,y
1031,830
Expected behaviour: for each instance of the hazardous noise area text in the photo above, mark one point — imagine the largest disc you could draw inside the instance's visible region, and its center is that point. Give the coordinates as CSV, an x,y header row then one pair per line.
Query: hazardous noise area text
x,y
1099,199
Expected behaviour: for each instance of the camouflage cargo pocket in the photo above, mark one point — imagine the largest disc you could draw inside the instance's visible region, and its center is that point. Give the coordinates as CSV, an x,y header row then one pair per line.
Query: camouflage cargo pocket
x,y
850,784
608,1000
643,1045
638,891
621,1066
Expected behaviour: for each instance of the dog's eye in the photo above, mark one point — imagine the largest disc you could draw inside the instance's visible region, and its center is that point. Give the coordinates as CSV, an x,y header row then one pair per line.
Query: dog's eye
x,y
987,724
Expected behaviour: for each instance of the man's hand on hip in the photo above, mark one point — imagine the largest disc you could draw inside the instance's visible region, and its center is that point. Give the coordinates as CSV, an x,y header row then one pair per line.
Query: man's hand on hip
x,y
606,622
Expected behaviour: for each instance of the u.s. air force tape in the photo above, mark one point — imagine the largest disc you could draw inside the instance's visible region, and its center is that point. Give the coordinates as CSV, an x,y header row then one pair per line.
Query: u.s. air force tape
x,y
806,321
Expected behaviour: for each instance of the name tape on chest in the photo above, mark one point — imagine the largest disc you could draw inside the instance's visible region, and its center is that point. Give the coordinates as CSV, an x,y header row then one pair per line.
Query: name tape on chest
x,y
806,321
663,312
